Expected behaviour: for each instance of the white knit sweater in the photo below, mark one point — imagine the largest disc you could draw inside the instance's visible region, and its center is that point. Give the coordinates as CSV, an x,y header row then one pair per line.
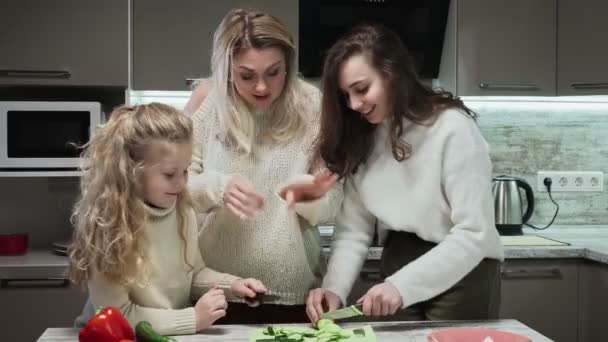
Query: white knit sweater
x,y
442,193
278,246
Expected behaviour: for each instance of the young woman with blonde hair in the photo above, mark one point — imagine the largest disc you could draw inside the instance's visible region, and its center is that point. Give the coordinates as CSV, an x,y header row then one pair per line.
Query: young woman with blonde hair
x,y
252,163
134,242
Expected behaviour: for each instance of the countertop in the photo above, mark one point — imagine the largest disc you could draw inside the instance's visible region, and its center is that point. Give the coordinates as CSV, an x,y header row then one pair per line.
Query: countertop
x,y
586,242
385,331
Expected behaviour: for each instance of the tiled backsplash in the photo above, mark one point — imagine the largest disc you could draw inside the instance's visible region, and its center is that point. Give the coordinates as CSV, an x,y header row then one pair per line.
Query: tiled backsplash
x,y
557,134
525,136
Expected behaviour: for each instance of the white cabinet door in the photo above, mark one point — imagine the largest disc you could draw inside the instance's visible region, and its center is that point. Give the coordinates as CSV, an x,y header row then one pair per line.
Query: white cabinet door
x,y
582,48
506,47
64,42
172,39
28,307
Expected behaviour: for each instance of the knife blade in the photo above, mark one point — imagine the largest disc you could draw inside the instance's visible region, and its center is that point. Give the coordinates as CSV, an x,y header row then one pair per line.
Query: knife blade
x,y
349,311
260,298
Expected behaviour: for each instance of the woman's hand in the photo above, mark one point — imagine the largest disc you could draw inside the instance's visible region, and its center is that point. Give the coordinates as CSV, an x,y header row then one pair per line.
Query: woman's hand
x,y
241,199
381,300
320,301
248,288
209,308
309,189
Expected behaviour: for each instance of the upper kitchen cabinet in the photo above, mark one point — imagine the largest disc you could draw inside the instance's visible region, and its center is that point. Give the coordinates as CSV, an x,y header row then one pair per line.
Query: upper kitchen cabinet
x,y
582,52
64,42
506,47
172,40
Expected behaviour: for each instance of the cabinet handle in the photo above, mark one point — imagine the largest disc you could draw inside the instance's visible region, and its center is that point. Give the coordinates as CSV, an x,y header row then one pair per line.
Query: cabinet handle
x,y
35,74
191,82
589,86
489,86
34,283
370,275
525,273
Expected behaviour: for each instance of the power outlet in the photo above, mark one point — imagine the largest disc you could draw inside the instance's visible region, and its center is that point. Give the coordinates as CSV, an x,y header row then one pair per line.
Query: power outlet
x,y
571,180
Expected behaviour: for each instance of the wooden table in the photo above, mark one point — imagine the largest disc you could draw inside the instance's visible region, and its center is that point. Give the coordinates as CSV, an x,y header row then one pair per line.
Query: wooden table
x,y
385,331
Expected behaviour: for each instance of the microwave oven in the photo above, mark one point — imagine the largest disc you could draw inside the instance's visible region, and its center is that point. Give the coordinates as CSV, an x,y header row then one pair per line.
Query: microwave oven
x,y
45,136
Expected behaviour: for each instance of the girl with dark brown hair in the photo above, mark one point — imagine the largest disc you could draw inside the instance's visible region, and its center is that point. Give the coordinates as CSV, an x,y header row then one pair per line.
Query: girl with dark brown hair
x,y
414,161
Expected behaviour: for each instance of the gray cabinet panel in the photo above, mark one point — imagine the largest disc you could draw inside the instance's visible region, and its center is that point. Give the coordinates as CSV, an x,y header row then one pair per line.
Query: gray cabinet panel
x,y
582,52
172,39
86,39
506,47
593,302
543,294
29,307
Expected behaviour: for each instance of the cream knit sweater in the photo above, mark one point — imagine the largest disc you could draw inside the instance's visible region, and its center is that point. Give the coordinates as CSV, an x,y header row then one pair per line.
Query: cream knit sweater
x,y
166,300
442,193
278,246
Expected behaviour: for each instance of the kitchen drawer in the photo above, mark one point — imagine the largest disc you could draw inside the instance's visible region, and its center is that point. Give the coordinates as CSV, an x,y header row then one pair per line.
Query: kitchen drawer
x,y
29,306
542,294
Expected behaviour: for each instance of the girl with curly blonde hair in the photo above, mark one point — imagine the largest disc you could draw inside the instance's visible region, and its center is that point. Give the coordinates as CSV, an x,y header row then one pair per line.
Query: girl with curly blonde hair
x,y
135,237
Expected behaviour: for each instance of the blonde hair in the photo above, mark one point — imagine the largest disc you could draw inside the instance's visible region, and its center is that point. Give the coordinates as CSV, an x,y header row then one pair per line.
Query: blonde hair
x,y
109,217
241,30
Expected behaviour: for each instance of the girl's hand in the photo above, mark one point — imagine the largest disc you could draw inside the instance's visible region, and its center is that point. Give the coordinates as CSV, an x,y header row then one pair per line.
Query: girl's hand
x,y
320,301
209,308
381,300
241,199
248,288
309,189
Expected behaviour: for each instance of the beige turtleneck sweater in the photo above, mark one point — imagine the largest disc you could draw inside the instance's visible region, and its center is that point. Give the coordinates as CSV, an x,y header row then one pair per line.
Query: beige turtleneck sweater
x,y
166,301
278,246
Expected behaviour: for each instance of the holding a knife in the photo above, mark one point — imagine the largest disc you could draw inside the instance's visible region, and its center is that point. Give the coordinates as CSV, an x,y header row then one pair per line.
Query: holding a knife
x,y
414,159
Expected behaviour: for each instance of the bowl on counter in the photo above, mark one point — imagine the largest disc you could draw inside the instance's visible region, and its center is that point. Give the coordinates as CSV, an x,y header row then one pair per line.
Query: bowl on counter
x,y
13,244
475,335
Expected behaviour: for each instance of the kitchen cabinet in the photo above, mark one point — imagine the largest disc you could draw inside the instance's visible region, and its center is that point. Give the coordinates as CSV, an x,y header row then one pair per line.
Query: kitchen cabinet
x,y
505,47
543,294
64,42
172,40
593,302
30,306
582,52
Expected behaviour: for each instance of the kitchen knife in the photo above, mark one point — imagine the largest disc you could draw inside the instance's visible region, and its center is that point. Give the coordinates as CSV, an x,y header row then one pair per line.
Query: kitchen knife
x,y
261,298
349,311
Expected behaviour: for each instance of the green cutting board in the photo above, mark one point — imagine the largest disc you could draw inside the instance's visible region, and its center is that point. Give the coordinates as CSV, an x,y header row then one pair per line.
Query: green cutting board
x,y
362,334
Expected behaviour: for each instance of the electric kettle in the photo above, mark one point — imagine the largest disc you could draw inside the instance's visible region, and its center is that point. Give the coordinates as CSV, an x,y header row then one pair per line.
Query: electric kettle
x,y
508,205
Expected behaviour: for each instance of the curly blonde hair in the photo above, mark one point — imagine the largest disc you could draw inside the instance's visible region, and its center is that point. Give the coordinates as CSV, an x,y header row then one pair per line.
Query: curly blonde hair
x,y
240,30
109,216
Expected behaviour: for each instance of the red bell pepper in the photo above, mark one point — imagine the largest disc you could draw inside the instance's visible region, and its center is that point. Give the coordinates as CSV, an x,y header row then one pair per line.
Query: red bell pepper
x,y
108,325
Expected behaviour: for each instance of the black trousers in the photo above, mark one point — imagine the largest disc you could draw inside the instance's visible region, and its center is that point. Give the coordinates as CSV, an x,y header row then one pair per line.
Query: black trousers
x,y
476,296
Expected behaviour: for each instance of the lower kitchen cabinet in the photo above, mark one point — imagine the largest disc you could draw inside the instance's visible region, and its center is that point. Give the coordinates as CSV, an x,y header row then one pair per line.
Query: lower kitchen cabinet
x,y
30,306
543,294
593,302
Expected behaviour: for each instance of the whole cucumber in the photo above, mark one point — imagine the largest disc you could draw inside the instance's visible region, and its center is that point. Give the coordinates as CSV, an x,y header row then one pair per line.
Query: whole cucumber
x,y
145,333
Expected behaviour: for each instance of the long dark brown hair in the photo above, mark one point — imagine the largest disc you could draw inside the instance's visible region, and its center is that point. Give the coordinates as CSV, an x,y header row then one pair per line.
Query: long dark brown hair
x,y
346,138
